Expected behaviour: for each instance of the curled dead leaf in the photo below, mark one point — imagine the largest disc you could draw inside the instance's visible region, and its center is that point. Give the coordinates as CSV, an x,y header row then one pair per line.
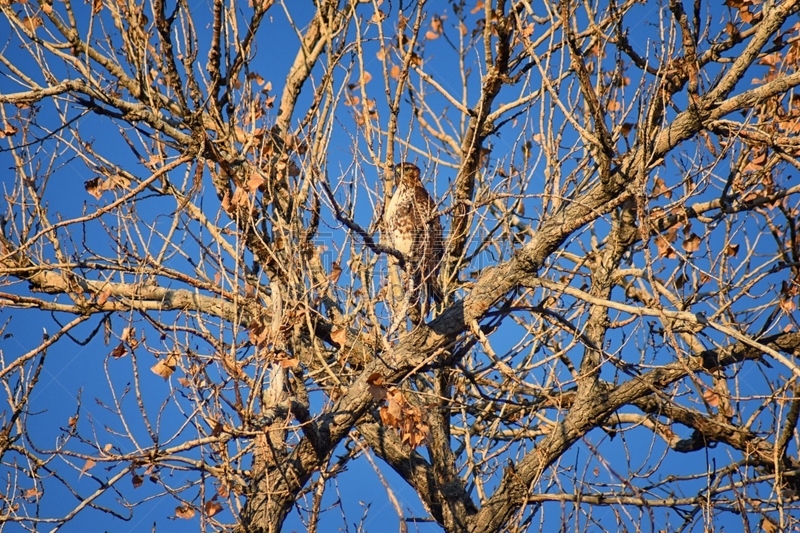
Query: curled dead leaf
x,y
660,188
691,244
31,23
289,362
732,250
166,367
184,511
119,351
31,494
86,466
8,130
376,387
92,186
212,507
665,249
336,272
339,336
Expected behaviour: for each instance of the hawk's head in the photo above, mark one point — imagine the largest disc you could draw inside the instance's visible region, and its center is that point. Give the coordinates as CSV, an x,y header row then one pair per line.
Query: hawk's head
x,y
407,174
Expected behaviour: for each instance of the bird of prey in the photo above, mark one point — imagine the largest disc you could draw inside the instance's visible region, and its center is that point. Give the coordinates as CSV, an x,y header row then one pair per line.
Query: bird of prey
x,y
415,231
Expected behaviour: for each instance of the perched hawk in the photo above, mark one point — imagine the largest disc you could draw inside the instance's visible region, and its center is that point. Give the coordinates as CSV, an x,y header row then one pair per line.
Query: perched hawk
x,y
414,230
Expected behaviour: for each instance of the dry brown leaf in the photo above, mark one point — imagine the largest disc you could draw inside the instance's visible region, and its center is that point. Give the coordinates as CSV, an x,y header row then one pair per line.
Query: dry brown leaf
x,y
665,249
691,244
336,272
31,493
256,183
136,481
103,297
128,335
8,130
31,23
376,387
732,250
660,188
212,507
226,203
289,363
93,187
119,351
339,336
787,305
768,526
436,24
391,413
240,198
166,367
184,511
258,334
255,76
378,16
89,464
757,162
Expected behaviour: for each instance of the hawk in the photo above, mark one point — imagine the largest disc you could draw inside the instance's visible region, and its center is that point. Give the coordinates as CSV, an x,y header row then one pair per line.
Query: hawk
x,y
415,231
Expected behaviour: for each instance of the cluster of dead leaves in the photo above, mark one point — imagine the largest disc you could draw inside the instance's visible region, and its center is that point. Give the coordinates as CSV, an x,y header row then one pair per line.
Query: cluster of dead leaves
x,y
691,241
237,203
397,413
210,508
7,130
97,186
437,28
128,340
242,201
780,115
747,10
91,462
166,366
269,336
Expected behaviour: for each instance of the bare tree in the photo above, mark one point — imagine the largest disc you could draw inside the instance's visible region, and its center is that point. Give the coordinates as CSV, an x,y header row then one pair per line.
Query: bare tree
x,y
197,190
